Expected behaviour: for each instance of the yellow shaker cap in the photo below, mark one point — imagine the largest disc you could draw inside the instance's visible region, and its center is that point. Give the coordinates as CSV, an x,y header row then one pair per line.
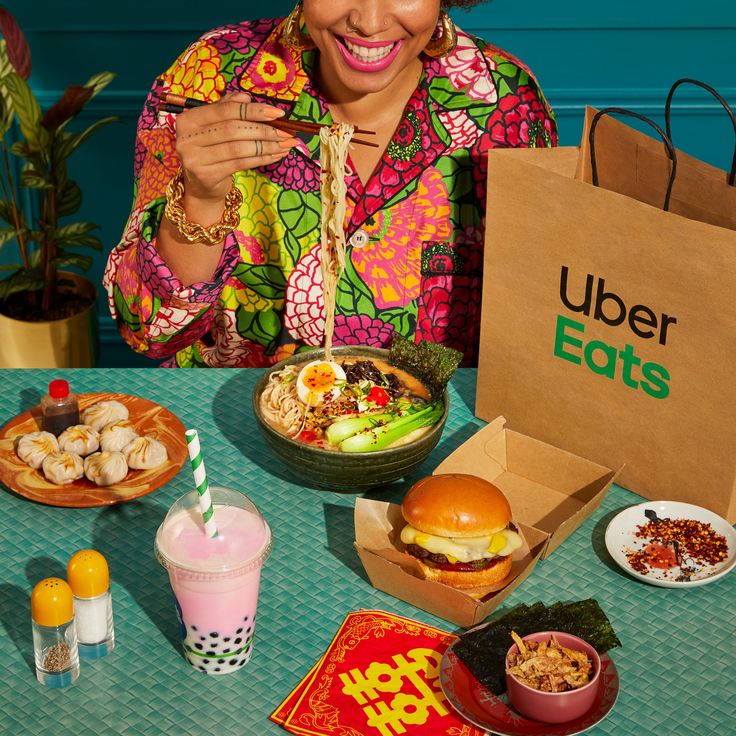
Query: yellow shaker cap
x,y
88,574
52,602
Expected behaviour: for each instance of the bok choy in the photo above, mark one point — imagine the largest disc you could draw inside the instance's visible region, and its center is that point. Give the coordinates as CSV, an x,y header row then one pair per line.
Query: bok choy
x,y
380,437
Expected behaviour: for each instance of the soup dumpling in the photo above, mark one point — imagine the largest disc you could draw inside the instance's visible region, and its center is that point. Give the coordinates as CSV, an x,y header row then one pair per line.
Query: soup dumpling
x,y
80,439
145,452
62,467
104,412
34,447
114,437
105,468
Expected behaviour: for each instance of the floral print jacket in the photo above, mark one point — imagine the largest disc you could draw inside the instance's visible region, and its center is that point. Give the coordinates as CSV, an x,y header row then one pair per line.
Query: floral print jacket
x,y
416,229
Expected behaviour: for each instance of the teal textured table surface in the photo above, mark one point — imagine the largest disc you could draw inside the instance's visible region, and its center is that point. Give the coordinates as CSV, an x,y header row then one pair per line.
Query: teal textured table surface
x,y
676,666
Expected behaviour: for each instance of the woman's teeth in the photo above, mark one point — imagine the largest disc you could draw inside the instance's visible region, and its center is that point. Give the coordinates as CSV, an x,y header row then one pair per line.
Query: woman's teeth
x,y
368,54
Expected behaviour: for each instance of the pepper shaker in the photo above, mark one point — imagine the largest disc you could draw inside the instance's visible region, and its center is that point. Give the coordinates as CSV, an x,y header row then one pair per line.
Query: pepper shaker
x,y
54,633
89,579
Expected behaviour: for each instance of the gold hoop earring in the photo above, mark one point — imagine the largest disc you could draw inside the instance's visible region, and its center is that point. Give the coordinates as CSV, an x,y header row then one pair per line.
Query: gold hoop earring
x,y
292,34
446,41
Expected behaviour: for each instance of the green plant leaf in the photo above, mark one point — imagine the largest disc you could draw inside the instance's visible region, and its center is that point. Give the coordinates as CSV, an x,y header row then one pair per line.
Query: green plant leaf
x,y
69,199
6,102
74,259
99,81
79,241
30,178
27,109
6,233
9,213
70,142
20,281
75,228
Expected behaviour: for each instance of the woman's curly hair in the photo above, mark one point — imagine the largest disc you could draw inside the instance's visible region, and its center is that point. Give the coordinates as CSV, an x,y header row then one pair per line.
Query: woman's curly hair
x,y
447,4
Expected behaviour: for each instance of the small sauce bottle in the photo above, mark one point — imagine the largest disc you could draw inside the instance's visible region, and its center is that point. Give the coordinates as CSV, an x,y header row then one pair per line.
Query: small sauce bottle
x,y
59,408
89,579
54,633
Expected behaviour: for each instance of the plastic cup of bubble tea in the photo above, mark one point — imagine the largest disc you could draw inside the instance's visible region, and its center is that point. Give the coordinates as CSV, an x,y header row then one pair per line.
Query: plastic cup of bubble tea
x,y
215,579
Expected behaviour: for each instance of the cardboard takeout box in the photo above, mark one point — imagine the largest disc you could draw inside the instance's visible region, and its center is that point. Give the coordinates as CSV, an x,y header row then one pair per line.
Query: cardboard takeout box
x,y
551,493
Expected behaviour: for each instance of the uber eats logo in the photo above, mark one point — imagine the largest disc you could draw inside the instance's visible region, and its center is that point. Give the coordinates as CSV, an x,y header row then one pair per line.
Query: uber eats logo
x,y
591,299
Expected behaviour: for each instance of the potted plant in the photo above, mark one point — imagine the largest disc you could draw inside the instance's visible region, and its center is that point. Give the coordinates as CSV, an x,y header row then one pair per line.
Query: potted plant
x,y
47,313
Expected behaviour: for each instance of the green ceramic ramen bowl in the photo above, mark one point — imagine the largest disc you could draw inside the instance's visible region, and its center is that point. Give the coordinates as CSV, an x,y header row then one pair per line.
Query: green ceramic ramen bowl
x,y
349,472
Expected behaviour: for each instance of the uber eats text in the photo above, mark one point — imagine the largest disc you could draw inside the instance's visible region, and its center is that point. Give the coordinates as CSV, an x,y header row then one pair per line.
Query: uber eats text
x,y
612,361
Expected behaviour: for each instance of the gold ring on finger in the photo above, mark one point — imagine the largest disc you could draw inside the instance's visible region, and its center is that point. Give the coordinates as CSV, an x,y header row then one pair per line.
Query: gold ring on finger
x,y
243,110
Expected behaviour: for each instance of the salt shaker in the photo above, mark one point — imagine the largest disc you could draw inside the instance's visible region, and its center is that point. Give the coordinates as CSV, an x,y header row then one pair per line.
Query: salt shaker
x,y
59,408
89,578
54,634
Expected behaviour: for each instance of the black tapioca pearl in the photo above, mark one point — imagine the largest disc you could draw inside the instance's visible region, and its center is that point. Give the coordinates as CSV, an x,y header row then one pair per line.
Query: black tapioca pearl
x,y
205,661
248,630
211,654
214,634
233,662
202,638
242,662
238,640
220,661
201,667
217,669
197,645
226,650
240,630
226,638
194,628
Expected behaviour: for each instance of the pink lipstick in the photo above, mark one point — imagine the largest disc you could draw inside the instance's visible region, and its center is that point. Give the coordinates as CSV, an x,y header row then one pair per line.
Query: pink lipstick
x,y
367,64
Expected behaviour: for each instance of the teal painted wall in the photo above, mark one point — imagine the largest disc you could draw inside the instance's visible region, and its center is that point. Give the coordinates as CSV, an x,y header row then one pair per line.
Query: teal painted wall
x,y
619,52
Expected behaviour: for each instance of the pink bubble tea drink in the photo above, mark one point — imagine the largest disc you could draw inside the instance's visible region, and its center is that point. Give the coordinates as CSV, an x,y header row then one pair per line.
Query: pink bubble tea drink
x,y
215,580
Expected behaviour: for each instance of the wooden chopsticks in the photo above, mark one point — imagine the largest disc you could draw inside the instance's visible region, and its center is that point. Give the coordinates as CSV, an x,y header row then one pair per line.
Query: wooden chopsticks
x,y
177,103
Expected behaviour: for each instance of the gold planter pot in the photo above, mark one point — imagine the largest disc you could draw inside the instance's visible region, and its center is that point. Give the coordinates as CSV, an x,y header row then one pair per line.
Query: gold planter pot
x,y
71,342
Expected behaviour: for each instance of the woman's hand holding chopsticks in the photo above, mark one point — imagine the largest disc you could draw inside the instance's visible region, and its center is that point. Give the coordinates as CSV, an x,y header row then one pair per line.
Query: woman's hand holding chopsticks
x,y
216,140
213,141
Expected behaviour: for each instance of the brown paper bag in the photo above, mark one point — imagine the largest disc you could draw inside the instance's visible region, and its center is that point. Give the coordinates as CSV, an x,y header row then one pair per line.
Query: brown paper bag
x,y
609,325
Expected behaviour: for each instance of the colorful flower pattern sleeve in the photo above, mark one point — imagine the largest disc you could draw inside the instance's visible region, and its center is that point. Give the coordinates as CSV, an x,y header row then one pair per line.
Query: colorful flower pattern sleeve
x,y
415,229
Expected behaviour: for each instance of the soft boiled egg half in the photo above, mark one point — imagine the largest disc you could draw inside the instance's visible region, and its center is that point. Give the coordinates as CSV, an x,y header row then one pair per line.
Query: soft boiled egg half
x,y
319,381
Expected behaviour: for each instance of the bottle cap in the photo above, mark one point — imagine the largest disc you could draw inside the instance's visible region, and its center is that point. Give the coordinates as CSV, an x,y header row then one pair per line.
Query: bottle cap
x,y
52,603
88,574
58,389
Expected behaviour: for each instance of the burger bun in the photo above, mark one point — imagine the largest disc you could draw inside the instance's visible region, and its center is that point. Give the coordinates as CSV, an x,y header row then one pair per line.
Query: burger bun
x,y
456,505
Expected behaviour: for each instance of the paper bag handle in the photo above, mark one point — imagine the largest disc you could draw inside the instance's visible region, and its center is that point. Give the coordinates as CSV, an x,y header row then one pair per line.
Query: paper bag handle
x,y
662,134
726,107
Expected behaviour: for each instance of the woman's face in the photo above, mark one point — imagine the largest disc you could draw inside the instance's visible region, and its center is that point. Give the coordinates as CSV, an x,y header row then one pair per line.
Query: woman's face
x,y
365,45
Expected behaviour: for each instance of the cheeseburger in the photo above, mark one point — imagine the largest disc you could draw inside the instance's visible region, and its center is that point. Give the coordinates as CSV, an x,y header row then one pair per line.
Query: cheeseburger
x,y
458,528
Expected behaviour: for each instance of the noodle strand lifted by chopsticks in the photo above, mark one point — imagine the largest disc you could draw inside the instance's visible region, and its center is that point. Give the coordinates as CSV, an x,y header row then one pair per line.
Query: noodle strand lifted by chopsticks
x,y
334,141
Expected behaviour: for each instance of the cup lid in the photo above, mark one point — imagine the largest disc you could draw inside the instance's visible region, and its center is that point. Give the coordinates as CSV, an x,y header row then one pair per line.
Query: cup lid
x,y
243,538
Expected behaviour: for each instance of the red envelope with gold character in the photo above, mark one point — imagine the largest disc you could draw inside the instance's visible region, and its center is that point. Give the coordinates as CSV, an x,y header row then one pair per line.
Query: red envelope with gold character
x,y
379,677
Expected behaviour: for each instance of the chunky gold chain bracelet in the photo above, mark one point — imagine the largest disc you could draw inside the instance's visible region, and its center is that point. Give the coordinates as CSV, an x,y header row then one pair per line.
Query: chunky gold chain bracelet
x,y
192,231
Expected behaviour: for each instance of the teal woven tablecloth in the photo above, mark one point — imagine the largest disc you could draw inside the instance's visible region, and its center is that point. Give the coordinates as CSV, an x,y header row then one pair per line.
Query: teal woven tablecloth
x,y
677,663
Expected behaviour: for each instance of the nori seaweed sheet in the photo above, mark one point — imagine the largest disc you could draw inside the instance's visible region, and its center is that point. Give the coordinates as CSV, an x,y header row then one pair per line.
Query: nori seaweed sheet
x,y
430,362
483,650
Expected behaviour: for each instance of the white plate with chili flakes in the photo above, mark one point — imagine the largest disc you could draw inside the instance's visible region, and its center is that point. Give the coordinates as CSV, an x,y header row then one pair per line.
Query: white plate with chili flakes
x,y
672,544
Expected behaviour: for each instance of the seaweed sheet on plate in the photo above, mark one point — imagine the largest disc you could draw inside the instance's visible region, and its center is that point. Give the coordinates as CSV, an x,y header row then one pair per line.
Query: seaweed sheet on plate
x,y
483,649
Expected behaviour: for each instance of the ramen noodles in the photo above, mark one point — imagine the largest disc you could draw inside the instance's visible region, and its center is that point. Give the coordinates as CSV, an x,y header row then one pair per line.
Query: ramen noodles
x,y
334,141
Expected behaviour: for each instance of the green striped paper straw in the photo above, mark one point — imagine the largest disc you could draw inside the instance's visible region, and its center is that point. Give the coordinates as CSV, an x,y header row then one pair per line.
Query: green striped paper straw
x,y
200,480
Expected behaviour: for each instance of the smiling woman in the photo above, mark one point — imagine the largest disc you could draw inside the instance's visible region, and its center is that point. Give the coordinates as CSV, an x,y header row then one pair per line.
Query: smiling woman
x,y
219,264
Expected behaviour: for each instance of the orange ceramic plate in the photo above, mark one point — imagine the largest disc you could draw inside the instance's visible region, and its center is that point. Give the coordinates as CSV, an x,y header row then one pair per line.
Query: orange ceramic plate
x,y
147,417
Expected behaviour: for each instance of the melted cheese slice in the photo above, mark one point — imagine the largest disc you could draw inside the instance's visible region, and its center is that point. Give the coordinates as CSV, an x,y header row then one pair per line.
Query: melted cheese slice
x,y
464,549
